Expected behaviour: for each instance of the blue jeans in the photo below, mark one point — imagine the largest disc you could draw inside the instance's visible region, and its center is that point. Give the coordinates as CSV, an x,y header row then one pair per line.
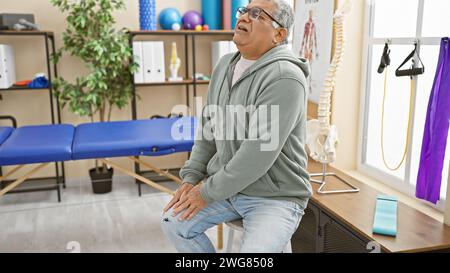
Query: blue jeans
x,y
268,224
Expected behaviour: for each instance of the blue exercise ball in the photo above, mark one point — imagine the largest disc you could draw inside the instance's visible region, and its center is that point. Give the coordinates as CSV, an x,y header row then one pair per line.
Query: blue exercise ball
x,y
169,17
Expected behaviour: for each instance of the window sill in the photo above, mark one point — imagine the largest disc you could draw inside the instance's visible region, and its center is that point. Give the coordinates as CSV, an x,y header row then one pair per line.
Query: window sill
x,y
408,200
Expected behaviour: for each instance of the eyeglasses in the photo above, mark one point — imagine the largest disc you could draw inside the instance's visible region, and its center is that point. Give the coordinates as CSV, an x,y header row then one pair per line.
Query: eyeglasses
x,y
254,14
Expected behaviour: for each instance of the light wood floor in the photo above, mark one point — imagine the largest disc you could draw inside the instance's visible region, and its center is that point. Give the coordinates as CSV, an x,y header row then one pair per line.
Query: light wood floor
x,y
116,222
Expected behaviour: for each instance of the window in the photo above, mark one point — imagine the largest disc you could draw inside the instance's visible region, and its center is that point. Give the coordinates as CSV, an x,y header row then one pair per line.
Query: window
x,y
422,21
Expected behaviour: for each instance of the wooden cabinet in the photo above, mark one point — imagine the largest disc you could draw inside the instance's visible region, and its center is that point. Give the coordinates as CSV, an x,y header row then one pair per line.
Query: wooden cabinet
x,y
336,238
321,233
306,239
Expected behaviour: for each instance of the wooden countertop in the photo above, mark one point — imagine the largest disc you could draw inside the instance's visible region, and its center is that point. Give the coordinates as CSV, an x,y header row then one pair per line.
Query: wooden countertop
x,y
416,231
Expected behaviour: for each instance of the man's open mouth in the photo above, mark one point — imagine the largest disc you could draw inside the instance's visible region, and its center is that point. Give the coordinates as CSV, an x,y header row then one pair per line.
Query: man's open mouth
x,y
242,28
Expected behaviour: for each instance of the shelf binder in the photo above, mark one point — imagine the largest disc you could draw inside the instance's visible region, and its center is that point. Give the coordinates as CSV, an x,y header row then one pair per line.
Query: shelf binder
x,y
138,58
153,62
7,66
220,49
159,65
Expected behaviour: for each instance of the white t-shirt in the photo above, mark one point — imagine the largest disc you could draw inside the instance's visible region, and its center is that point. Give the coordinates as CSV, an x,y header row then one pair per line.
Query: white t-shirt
x,y
240,68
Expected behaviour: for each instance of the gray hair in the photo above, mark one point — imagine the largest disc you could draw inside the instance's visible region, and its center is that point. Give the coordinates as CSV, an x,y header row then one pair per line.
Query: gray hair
x,y
285,15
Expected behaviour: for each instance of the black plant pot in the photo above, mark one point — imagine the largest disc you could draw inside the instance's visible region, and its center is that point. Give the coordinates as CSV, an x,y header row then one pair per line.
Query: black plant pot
x,y
101,181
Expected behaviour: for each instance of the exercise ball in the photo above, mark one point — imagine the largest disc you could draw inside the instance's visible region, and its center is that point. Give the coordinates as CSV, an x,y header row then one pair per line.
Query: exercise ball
x,y
191,19
168,17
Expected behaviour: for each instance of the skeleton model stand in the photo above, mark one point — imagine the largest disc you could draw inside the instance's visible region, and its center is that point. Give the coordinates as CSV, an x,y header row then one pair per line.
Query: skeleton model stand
x,y
321,136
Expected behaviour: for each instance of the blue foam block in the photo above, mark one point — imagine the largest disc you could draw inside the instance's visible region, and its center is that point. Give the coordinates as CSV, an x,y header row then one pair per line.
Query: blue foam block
x,y
385,220
212,13
147,14
235,4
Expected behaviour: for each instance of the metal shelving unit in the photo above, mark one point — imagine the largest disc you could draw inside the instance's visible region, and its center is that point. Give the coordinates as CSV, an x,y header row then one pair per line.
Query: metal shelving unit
x,y
49,40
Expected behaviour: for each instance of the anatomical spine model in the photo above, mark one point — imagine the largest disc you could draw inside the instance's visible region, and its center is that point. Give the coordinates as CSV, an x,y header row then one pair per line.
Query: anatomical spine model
x,y
322,137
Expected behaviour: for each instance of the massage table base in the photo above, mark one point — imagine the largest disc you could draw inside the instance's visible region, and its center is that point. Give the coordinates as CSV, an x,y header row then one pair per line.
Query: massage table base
x,y
54,183
166,174
147,181
76,144
22,179
57,178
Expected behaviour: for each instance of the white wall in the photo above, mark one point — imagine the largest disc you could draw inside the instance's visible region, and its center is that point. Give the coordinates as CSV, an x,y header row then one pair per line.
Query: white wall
x,y
345,112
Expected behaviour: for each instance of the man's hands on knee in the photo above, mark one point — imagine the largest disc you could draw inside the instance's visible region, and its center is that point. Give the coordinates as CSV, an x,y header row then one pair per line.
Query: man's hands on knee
x,y
180,193
192,202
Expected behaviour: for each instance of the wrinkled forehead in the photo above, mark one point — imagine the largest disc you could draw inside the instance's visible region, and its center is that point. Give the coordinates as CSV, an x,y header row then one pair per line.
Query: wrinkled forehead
x,y
267,5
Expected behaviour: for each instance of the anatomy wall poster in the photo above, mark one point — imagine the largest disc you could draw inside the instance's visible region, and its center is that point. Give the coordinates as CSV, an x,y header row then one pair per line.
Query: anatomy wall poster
x,y
313,34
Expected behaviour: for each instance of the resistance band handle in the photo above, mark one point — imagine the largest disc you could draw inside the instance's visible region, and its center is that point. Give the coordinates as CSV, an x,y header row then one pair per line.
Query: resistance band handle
x,y
385,59
414,71
410,72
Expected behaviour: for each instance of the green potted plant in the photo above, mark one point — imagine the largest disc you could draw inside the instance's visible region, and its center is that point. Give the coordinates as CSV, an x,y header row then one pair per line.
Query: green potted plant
x,y
106,52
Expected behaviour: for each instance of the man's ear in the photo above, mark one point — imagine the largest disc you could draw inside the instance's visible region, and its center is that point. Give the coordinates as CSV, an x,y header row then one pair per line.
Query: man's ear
x,y
281,35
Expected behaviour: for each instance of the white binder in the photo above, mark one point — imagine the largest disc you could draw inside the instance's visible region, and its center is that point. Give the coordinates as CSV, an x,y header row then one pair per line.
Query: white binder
x,y
7,66
159,63
220,49
154,66
138,58
232,48
2,69
147,52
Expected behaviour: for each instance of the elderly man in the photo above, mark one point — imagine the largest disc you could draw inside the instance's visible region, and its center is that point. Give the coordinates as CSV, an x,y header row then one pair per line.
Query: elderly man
x,y
228,179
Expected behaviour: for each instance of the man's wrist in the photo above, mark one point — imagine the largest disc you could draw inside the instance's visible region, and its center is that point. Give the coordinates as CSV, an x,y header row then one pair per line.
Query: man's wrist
x,y
204,194
191,179
189,183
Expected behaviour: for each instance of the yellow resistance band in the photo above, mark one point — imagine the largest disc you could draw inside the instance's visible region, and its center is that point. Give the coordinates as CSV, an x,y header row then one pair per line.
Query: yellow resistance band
x,y
409,124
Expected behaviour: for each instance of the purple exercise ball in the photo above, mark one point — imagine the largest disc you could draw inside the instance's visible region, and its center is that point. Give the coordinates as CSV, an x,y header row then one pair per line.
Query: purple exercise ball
x,y
191,19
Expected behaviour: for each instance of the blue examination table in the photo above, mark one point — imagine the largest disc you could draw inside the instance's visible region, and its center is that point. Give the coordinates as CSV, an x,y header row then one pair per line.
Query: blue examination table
x,y
44,144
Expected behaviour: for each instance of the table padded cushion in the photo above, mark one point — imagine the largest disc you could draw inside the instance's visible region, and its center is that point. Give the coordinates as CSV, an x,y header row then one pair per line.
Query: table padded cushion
x,y
38,144
5,132
151,137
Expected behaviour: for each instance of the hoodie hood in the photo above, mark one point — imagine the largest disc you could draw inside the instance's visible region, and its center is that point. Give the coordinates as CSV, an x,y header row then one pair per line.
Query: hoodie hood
x,y
278,53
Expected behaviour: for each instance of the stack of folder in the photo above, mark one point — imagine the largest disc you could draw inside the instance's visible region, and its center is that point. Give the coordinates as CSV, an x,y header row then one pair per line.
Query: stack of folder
x,y
150,57
7,66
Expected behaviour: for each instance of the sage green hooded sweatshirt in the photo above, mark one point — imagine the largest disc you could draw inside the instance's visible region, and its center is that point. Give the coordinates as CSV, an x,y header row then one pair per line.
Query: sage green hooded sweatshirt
x,y
229,167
